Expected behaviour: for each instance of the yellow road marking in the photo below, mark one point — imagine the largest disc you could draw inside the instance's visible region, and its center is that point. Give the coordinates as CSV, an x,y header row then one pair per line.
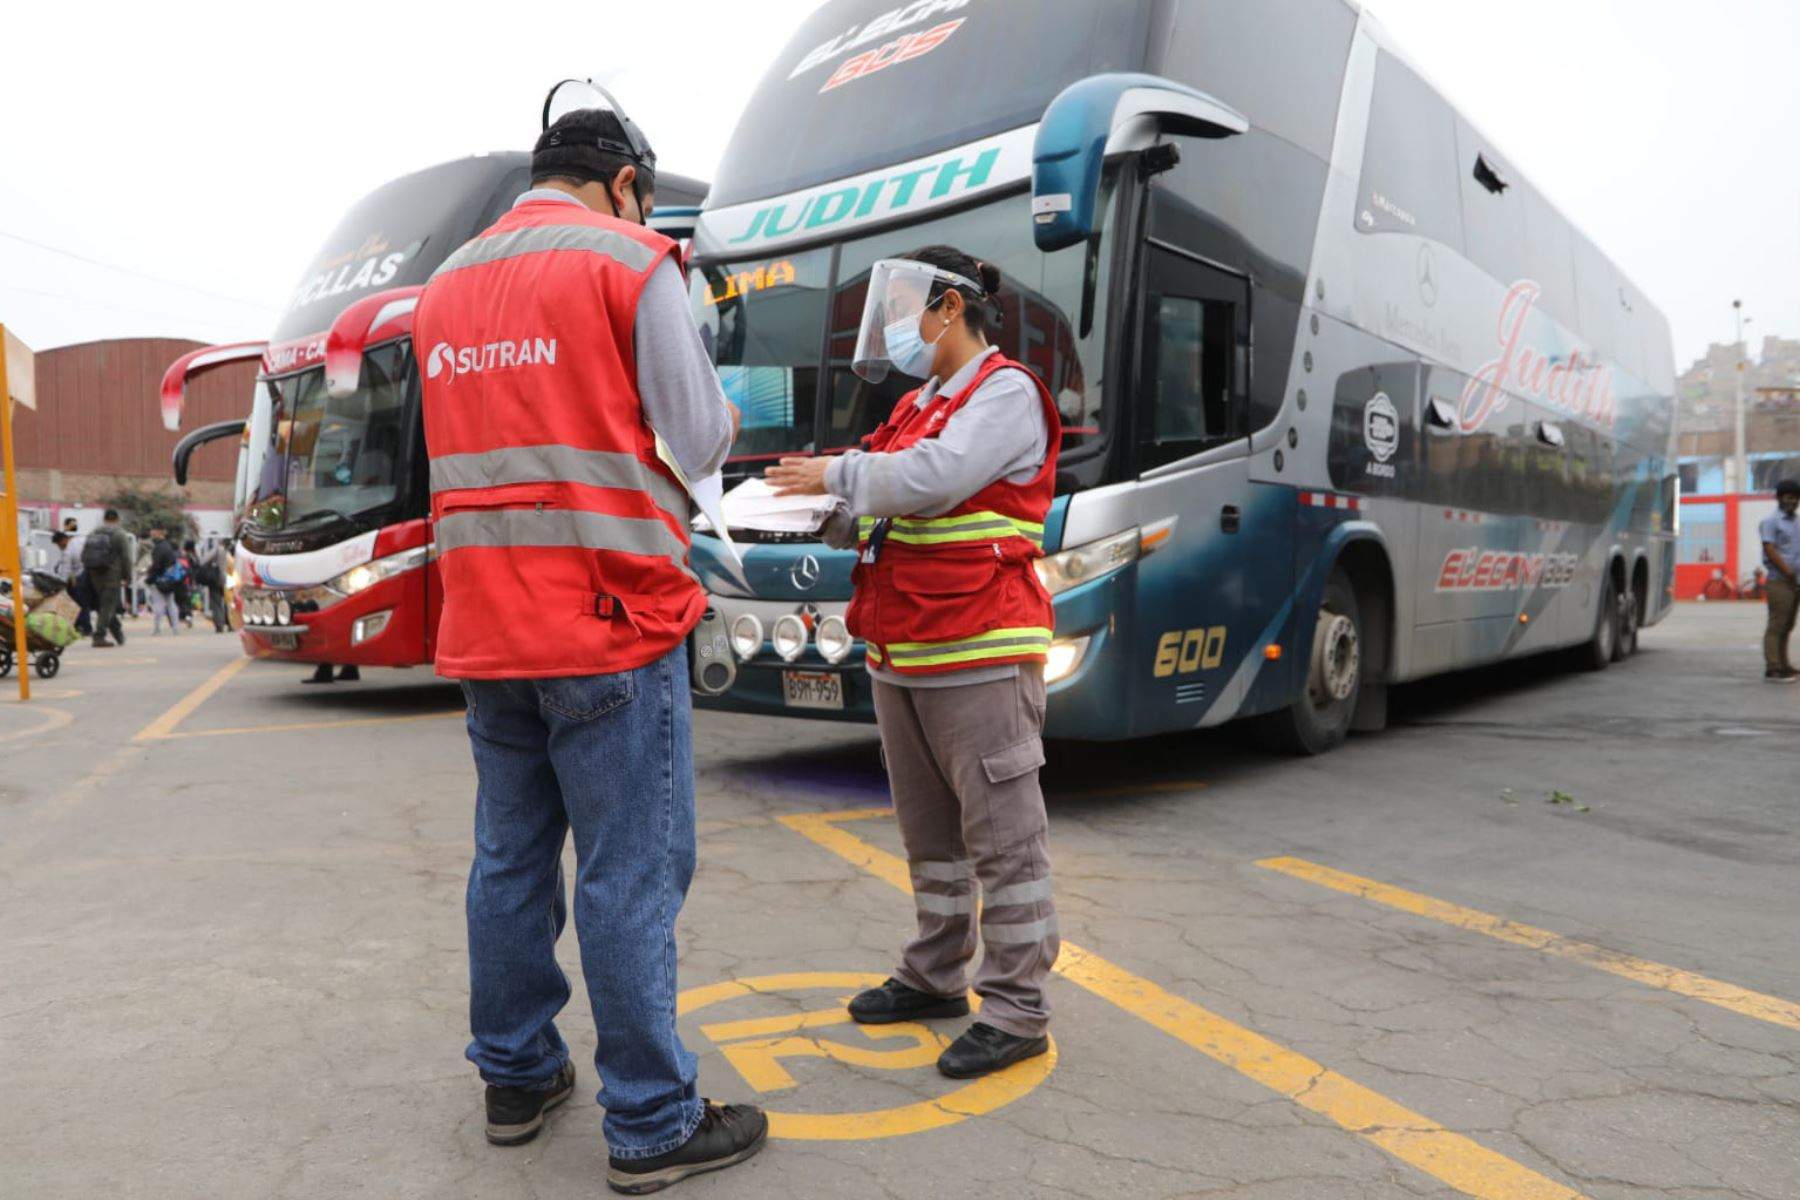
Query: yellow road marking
x,y
184,707
1415,1139
54,718
1772,1009
756,1060
163,729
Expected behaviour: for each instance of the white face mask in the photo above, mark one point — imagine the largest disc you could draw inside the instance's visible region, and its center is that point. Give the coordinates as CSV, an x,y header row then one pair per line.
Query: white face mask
x,y
907,348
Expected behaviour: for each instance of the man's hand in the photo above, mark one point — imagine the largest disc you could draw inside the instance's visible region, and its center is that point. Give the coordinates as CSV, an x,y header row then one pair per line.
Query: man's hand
x,y
799,477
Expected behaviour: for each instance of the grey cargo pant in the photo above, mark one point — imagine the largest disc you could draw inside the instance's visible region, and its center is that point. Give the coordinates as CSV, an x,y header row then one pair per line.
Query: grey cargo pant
x,y
962,763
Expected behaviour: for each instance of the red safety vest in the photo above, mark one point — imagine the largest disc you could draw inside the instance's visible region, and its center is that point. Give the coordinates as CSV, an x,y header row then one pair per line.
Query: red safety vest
x,y
562,539
957,591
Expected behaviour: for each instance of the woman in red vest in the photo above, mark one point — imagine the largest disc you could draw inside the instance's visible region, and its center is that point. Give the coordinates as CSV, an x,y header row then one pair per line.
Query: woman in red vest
x,y
946,503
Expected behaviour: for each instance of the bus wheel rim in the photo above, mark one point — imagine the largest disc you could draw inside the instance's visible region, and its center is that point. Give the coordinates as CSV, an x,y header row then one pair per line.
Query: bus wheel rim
x,y
1336,659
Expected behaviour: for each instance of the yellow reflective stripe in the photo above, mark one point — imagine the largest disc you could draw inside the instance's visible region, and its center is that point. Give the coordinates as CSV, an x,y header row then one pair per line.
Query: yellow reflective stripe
x,y
996,643
968,519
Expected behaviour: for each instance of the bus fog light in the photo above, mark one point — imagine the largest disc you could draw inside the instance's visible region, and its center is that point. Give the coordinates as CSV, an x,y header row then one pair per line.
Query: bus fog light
x,y
746,637
1065,656
284,613
369,626
834,640
789,637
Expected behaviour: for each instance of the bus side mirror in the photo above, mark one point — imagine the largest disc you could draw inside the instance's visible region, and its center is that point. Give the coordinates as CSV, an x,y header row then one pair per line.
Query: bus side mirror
x,y
1101,115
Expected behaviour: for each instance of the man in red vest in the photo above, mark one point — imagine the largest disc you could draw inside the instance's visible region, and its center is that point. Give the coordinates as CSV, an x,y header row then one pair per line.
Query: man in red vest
x,y
551,345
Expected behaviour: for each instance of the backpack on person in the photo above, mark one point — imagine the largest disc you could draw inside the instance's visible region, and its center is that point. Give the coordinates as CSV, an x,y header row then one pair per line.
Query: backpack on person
x,y
171,579
100,552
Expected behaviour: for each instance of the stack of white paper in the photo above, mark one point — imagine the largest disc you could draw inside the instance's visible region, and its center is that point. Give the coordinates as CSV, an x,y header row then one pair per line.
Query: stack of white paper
x,y
753,504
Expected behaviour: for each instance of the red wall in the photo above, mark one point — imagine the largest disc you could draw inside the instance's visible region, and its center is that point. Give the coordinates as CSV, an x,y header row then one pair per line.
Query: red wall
x,y
98,412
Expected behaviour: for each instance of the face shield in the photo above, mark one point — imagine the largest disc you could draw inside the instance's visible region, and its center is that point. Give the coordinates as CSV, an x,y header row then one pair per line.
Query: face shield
x,y
576,95
899,290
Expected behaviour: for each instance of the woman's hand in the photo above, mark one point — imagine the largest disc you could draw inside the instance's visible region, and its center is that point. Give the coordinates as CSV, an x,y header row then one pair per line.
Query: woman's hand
x,y
798,477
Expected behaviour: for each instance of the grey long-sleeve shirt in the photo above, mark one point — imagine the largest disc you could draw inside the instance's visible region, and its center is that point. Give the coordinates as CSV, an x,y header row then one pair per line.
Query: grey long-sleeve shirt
x,y
1000,433
676,381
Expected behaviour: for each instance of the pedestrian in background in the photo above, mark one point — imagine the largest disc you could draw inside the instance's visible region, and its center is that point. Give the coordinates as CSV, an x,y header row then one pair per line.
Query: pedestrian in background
x,y
548,498
1780,533
106,556
62,563
162,574
217,568
947,502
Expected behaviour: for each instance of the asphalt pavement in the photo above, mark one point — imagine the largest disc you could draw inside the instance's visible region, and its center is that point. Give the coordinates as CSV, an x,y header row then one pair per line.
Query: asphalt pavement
x,y
1537,940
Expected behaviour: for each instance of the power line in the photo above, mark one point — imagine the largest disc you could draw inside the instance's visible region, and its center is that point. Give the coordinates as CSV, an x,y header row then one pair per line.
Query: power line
x,y
175,283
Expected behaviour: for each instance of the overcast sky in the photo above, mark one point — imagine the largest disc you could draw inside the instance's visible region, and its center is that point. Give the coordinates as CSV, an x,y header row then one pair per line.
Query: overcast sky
x,y
204,150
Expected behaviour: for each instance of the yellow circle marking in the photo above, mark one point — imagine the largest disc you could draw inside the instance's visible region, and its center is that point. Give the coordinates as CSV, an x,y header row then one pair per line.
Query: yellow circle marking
x,y
755,1047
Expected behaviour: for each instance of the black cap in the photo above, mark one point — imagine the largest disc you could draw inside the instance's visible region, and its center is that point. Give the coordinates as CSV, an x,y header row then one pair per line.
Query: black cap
x,y
1788,487
591,144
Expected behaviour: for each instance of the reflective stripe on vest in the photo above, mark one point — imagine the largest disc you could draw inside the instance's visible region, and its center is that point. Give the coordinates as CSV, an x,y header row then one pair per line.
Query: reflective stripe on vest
x,y
967,527
558,464
501,528
541,239
996,643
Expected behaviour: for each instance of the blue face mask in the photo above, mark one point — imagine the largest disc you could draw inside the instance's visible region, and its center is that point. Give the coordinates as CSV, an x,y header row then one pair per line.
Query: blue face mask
x,y
907,348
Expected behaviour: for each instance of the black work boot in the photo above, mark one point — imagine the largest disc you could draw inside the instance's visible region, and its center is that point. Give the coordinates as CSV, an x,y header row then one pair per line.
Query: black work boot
x,y
321,674
894,1001
727,1135
515,1114
982,1049
349,674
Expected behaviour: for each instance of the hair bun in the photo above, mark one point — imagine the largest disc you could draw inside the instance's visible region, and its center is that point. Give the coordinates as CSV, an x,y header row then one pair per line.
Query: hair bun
x,y
989,275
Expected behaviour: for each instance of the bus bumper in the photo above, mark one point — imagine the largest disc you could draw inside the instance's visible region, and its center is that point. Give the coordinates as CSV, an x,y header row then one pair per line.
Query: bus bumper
x,y
381,626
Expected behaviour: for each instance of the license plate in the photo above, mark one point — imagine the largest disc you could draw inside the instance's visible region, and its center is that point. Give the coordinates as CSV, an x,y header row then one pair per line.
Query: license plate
x,y
283,641
813,689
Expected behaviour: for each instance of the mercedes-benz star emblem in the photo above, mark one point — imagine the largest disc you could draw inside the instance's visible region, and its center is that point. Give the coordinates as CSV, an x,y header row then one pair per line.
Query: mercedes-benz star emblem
x,y
805,573
1428,288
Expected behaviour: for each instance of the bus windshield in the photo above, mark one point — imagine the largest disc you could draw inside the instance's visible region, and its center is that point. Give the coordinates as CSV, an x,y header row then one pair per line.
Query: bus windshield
x,y
330,460
783,329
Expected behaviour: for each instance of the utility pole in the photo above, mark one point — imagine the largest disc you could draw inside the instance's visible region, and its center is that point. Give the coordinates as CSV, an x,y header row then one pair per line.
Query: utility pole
x,y
1740,463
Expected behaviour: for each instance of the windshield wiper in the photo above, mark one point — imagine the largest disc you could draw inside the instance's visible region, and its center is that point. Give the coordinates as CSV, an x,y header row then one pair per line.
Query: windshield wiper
x,y
316,515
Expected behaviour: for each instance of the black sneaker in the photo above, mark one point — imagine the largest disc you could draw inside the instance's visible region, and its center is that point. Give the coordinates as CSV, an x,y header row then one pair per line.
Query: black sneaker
x,y
1777,675
727,1135
894,1001
982,1050
515,1114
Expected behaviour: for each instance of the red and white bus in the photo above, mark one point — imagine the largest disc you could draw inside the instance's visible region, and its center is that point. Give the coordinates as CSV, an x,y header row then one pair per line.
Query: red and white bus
x,y
335,560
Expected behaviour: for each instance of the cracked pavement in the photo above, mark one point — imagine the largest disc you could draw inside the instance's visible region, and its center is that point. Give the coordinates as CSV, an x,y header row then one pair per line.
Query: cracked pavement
x,y
234,965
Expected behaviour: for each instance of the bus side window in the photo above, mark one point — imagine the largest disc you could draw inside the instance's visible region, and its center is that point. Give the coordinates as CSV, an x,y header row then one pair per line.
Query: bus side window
x,y
1195,359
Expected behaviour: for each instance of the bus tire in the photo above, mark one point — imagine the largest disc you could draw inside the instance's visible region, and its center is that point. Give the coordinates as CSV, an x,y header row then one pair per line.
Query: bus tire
x,y
1597,654
1626,634
1319,718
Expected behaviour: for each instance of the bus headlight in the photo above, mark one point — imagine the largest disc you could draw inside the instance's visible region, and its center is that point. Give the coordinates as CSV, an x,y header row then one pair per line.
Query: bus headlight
x,y
1065,656
284,612
789,637
746,637
358,579
834,640
1086,563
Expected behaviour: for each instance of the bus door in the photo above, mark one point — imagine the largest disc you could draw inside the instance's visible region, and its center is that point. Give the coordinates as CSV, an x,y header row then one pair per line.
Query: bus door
x,y
1200,599
1470,573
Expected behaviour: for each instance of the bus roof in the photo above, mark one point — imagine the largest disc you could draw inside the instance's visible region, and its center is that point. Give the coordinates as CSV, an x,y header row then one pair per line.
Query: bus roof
x,y
398,234
941,73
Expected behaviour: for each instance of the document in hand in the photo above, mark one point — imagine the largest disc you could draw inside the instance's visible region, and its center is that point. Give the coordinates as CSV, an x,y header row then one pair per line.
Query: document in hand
x,y
706,493
753,504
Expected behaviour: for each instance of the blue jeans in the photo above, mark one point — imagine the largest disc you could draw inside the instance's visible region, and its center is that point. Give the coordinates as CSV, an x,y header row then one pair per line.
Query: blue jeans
x,y
609,758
